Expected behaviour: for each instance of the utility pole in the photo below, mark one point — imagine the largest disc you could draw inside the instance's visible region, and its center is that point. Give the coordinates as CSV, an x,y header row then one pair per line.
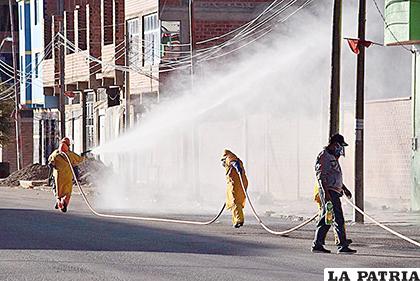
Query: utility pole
x,y
17,93
62,86
195,131
127,80
192,38
360,100
335,69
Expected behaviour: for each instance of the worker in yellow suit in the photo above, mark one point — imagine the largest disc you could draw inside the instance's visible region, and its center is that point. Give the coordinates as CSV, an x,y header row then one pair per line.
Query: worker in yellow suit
x,y
63,176
235,195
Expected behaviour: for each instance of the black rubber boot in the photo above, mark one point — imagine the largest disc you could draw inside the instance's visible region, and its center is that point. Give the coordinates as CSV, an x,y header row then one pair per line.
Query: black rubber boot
x,y
320,249
64,209
346,250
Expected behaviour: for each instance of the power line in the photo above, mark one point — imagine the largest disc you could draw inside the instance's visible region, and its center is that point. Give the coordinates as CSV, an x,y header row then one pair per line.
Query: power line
x,y
389,29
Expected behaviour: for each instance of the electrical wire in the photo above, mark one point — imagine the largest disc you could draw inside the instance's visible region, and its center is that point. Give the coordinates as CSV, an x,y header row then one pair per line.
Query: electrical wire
x,y
254,29
389,29
258,34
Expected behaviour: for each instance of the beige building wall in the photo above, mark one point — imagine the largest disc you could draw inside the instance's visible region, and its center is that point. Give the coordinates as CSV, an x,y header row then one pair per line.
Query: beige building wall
x,y
143,85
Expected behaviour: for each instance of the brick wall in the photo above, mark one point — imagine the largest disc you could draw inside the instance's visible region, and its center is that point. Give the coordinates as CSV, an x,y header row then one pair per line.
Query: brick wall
x,y
69,28
108,21
119,32
9,151
206,29
211,19
93,18
81,32
388,149
50,8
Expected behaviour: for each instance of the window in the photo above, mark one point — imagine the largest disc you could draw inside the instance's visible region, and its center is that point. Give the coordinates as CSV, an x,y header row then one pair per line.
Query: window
x,y
36,10
36,65
89,119
108,21
20,16
170,40
151,40
134,42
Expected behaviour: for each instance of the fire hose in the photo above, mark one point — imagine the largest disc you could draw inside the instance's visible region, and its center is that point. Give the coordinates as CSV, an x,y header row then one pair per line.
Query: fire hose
x,y
312,218
168,220
257,217
136,217
222,209
383,226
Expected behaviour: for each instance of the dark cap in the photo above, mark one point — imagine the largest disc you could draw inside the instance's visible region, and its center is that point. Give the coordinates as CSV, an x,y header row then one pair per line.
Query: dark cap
x,y
337,138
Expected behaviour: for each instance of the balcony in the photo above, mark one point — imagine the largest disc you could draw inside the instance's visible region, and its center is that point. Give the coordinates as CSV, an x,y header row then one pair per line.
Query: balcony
x,y
76,67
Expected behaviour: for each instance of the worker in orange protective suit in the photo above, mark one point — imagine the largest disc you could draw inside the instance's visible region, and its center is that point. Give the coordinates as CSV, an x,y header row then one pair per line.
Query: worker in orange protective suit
x,y
235,195
62,172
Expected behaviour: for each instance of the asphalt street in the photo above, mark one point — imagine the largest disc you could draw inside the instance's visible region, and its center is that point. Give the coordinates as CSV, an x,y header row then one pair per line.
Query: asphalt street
x,y
40,243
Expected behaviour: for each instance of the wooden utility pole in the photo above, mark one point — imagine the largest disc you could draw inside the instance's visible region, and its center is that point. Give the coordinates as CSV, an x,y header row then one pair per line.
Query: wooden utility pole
x,y
360,101
334,127
17,93
192,37
127,80
62,83
195,130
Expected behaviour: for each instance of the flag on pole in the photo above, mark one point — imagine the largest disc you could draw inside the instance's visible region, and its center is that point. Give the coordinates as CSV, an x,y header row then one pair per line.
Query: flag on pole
x,y
356,43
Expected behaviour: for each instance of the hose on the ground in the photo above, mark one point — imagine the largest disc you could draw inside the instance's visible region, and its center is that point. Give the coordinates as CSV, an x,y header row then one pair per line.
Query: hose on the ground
x,y
136,217
175,220
381,225
313,217
221,211
259,220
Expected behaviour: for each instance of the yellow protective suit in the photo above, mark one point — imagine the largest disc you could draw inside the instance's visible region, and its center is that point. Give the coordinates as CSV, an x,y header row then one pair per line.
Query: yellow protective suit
x,y
235,196
62,173
316,195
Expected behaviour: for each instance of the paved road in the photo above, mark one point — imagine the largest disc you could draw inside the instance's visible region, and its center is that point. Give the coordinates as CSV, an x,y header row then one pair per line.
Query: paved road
x,y
38,243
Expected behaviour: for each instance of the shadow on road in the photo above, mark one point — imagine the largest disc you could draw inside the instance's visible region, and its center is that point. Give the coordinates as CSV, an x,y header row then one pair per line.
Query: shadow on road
x,y
46,230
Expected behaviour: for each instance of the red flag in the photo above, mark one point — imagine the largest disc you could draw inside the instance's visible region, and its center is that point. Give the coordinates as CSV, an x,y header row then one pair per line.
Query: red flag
x,y
69,94
355,43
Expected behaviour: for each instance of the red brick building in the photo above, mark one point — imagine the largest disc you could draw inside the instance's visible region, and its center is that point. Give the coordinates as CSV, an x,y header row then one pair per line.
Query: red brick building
x,y
8,152
210,20
110,81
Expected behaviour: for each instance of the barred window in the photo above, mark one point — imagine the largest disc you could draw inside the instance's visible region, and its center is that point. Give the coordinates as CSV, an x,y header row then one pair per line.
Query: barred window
x,y
89,120
134,49
151,39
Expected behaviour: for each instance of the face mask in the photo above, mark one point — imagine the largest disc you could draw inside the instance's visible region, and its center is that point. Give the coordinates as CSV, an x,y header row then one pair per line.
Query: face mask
x,y
339,151
63,147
